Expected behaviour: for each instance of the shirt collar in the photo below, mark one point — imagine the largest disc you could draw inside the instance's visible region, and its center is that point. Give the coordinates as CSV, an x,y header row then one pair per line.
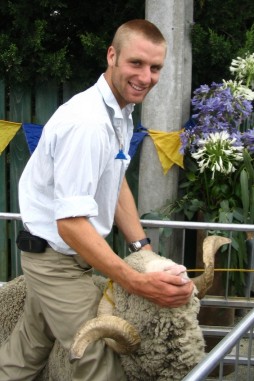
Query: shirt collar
x,y
110,99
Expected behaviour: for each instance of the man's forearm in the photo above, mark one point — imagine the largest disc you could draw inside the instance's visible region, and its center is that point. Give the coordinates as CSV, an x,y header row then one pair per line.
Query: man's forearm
x,y
126,216
161,288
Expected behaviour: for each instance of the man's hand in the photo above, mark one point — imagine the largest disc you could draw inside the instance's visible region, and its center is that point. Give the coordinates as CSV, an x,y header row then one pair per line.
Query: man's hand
x,y
162,288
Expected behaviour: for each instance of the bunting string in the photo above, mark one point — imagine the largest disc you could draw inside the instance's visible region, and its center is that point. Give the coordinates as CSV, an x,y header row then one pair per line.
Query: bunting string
x,y
167,144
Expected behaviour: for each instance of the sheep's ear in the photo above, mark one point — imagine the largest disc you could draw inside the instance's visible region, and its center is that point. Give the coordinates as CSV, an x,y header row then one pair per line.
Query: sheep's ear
x,y
211,245
120,335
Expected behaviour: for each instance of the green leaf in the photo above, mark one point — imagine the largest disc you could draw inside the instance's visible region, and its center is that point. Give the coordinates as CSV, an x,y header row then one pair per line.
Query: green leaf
x,y
238,214
252,204
245,194
248,164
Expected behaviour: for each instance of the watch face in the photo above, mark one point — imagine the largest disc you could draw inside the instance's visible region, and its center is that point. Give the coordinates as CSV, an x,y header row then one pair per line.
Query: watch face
x,y
137,246
134,246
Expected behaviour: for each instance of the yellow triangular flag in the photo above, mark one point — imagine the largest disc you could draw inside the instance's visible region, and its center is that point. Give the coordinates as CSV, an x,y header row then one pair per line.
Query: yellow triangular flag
x,y
168,146
7,132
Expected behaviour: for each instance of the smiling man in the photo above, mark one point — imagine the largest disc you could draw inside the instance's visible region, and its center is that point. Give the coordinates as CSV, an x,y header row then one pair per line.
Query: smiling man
x,y
132,69
71,192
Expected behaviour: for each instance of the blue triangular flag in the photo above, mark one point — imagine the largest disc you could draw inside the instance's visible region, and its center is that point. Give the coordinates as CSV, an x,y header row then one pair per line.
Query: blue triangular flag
x,y
32,133
189,124
136,139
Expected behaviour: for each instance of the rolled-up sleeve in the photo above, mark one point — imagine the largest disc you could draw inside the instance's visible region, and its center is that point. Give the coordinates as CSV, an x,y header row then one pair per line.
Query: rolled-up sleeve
x,y
75,207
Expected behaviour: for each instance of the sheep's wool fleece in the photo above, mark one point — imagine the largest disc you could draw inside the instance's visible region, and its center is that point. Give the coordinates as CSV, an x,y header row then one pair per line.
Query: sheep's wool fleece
x,y
12,300
172,342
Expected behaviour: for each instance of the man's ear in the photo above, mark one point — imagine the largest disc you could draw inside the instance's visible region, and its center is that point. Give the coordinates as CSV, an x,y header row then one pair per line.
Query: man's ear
x,y
111,56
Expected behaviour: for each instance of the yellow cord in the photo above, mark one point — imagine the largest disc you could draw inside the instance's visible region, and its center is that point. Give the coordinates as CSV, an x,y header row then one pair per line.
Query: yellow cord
x,y
109,286
237,270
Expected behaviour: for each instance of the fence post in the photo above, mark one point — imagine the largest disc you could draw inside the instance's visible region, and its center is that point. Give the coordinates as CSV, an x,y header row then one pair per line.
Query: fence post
x,y
3,201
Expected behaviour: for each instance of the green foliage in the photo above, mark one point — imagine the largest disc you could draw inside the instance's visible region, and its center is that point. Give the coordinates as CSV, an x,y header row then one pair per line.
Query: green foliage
x,y
222,31
247,188
249,43
212,53
59,39
66,40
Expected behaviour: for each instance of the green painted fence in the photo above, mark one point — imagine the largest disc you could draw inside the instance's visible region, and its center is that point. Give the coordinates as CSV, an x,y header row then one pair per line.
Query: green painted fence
x,y
24,105
28,105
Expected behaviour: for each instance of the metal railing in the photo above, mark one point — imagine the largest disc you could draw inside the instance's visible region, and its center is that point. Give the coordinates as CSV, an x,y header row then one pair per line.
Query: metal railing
x,y
222,354
153,227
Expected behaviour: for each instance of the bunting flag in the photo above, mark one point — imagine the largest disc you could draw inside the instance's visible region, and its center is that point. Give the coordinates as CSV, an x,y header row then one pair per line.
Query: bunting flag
x,y
136,139
189,124
7,132
167,144
168,148
32,133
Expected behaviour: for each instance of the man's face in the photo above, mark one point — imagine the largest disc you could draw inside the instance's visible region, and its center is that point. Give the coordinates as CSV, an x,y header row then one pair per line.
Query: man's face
x,y
133,73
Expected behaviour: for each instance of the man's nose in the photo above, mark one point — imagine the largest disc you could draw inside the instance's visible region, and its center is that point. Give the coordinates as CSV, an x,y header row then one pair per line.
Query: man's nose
x,y
145,75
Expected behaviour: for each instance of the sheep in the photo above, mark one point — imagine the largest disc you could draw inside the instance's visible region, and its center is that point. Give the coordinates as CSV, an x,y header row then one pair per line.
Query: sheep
x,y
153,343
171,341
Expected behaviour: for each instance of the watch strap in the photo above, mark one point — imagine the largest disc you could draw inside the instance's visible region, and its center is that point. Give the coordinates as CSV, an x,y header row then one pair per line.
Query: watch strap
x,y
137,245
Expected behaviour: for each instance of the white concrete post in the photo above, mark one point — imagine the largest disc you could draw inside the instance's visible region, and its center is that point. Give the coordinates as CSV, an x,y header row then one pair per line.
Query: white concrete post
x,y
167,106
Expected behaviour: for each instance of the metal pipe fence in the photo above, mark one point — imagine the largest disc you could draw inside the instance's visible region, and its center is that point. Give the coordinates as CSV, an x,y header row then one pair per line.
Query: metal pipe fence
x,y
153,227
228,351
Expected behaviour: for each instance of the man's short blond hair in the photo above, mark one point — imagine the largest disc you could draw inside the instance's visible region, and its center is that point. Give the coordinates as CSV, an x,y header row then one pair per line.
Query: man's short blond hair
x,y
140,27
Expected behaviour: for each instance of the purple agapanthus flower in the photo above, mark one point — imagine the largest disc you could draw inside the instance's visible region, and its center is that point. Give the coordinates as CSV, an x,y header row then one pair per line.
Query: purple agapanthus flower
x,y
219,105
248,140
215,109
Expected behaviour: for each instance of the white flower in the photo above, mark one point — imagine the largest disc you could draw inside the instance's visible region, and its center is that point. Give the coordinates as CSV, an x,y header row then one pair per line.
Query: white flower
x,y
243,69
218,153
239,90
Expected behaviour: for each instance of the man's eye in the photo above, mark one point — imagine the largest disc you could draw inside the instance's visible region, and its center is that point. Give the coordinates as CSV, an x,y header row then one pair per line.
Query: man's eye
x,y
155,69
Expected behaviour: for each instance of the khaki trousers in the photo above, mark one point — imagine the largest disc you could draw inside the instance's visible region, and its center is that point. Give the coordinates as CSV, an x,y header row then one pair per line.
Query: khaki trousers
x,y
60,297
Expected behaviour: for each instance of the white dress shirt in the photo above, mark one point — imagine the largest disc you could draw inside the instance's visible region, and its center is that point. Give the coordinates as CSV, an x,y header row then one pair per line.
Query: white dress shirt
x,y
74,170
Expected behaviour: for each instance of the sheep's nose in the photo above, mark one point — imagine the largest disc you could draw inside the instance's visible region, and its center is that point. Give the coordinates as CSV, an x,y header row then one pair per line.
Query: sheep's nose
x,y
176,269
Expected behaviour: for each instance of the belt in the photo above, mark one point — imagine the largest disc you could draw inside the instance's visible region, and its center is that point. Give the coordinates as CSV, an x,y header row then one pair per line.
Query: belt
x,y
33,244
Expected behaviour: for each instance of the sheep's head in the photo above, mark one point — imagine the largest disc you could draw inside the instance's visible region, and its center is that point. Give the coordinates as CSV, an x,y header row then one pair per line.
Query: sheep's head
x,y
118,333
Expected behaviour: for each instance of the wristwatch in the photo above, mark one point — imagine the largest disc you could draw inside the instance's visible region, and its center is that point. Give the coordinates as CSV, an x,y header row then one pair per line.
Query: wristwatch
x,y
136,246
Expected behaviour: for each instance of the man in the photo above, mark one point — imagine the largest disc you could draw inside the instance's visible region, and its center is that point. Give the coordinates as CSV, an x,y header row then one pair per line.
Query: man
x,y
71,191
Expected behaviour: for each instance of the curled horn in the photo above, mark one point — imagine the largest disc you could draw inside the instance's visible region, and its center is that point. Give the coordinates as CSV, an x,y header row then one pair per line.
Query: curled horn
x,y
210,246
118,334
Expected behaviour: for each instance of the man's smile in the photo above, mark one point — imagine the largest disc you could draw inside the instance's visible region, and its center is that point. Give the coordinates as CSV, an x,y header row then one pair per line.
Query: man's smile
x,y
136,87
